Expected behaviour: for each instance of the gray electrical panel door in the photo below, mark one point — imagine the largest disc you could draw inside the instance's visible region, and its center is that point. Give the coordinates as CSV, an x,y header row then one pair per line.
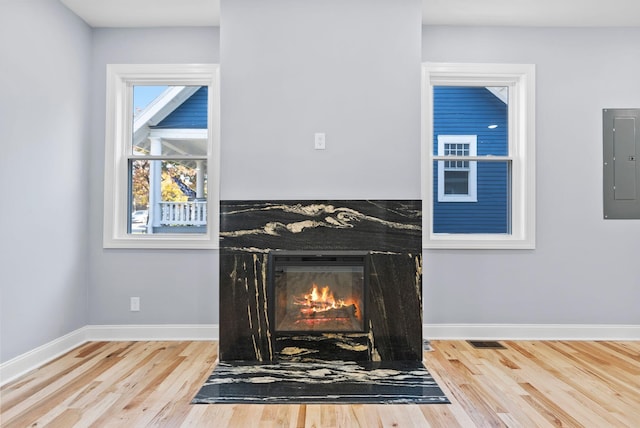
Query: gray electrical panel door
x,y
621,171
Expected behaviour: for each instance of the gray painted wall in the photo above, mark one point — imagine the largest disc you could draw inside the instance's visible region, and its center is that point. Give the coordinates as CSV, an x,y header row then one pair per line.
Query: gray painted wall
x,y
348,69
175,287
44,77
276,92
584,269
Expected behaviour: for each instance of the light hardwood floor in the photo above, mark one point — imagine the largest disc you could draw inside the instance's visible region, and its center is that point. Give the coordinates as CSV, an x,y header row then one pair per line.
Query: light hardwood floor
x,y
139,384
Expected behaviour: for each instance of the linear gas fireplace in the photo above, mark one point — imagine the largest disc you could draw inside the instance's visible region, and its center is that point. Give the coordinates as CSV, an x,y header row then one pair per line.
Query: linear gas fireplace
x,y
318,292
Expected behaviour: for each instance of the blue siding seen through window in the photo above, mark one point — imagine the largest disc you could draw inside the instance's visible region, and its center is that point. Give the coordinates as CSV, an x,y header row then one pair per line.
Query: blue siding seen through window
x,y
460,110
191,114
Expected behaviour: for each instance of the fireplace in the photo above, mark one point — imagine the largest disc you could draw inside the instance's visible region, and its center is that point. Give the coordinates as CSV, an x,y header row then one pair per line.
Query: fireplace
x,y
320,280
320,301
318,292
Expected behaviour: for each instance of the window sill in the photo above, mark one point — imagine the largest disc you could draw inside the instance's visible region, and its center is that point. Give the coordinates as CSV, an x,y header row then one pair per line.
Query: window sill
x,y
162,241
477,242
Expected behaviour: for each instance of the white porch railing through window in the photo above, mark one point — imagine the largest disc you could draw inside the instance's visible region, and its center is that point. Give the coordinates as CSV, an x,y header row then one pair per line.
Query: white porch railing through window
x,y
192,213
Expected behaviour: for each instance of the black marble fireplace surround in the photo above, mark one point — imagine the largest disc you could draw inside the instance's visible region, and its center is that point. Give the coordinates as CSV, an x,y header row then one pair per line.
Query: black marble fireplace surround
x,y
388,234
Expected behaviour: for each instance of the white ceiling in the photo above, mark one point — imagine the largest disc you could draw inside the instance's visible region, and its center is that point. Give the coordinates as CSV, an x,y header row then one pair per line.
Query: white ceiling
x,y
146,13
564,13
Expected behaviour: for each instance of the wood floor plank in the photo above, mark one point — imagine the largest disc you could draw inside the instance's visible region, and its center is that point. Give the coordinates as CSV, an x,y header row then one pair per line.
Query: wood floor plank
x,y
278,415
151,384
583,381
48,398
452,415
36,381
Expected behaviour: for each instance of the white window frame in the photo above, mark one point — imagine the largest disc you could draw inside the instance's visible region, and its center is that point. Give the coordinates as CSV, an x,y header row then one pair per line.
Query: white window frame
x,y
118,136
520,79
472,142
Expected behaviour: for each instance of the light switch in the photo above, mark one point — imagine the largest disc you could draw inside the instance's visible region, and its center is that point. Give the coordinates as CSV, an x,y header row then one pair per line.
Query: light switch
x,y
319,140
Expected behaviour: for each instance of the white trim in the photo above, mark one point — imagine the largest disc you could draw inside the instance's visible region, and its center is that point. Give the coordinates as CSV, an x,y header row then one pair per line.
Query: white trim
x,y
531,332
520,78
154,332
22,364
179,134
120,79
41,355
500,92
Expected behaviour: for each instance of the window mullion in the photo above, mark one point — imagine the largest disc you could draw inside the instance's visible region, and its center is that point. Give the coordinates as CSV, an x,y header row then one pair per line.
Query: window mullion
x,y
166,157
473,158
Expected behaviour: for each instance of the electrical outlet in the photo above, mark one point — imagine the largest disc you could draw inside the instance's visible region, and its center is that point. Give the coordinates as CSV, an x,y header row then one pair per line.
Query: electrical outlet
x,y
135,304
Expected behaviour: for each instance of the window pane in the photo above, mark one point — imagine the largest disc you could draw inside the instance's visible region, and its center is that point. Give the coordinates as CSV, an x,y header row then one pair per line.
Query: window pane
x,y
170,120
456,182
472,110
490,214
144,95
167,196
456,149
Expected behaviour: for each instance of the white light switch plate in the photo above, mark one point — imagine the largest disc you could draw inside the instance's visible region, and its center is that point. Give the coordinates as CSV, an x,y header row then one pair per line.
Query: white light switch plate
x,y
319,140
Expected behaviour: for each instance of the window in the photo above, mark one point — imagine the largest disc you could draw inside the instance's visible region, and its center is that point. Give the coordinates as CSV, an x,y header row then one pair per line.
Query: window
x,y
457,178
478,156
161,158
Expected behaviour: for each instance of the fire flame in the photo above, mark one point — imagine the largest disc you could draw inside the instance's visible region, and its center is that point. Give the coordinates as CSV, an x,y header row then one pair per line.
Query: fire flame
x,y
323,300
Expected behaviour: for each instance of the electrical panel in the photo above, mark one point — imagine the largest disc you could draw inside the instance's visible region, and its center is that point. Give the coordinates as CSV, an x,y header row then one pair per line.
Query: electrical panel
x,y
621,168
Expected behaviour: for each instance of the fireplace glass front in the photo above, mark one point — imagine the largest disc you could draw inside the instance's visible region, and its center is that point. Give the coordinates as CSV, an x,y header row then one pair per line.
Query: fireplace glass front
x,y
318,293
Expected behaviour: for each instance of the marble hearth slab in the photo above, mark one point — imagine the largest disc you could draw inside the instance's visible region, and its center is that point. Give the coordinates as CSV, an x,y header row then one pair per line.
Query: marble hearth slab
x,y
309,382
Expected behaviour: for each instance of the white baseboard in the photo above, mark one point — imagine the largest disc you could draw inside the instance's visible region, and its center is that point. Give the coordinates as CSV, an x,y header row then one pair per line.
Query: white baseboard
x,y
530,332
30,360
22,364
154,332
35,358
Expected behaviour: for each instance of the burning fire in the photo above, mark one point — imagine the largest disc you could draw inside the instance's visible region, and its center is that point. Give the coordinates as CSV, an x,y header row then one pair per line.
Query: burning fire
x,y
321,300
